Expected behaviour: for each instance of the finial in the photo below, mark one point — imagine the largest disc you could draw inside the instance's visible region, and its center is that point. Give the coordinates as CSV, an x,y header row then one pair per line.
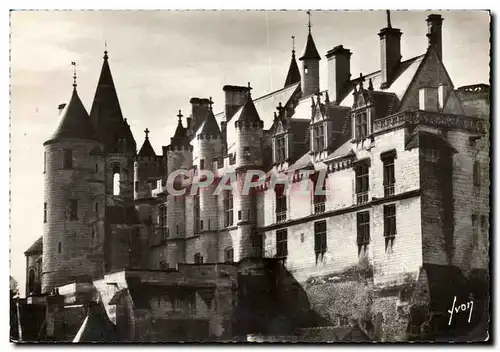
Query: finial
x,y
327,98
388,13
249,89
293,44
74,73
280,109
210,103
361,79
179,116
146,131
370,84
309,25
105,50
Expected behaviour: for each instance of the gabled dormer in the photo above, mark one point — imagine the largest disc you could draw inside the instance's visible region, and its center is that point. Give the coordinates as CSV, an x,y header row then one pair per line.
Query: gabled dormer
x,y
290,137
368,106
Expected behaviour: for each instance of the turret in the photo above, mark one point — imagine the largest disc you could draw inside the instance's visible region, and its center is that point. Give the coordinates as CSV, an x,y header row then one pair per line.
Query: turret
x,y
179,156
310,65
248,156
73,197
209,140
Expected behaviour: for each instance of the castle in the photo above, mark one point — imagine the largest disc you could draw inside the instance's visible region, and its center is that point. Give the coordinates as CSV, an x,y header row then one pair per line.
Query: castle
x,y
402,228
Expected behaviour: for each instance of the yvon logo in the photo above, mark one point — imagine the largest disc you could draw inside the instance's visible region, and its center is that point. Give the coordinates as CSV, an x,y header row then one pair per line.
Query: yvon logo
x,y
461,308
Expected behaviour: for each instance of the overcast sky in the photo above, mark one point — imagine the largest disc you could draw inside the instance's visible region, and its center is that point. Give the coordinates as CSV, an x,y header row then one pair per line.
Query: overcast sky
x,y
160,59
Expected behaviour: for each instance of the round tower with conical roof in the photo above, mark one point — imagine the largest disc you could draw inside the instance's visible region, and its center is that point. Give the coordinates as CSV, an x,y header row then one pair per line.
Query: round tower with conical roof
x,y
248,156
73,198
310,65
209,147
179,156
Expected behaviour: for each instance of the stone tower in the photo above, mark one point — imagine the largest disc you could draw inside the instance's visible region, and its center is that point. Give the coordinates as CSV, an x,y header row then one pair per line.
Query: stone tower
x,y
310,67
248,156
119,153
209,141
73,166
179,156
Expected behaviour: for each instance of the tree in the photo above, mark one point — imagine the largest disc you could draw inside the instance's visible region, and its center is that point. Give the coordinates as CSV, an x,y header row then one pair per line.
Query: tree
x,y
14,286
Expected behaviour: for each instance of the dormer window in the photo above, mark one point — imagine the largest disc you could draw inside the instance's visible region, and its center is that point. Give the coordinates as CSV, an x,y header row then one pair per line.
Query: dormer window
x,y
280,149
319,138
361,126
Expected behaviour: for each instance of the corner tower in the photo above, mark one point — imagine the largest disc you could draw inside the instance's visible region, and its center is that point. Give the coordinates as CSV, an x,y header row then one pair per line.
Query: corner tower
x,y
73,180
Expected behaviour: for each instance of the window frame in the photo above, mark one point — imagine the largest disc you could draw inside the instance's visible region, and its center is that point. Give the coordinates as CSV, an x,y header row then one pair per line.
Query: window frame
x,y
390,225
196,214
360,125
363,230
320,239
280,149
162,222
198,258
229,255
476,173
389,170
45,212
282,243
281,207
362,175
319,200
228,205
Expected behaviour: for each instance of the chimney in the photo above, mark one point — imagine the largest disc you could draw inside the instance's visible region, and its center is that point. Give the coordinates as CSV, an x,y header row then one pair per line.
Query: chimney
x,y
235,98
199,110
188,123
434,33
61,108
390,50
339,71
428,99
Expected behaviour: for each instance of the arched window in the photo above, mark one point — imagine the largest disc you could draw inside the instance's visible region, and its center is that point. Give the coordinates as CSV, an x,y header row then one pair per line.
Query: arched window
x,y
31,281
116,181
228,255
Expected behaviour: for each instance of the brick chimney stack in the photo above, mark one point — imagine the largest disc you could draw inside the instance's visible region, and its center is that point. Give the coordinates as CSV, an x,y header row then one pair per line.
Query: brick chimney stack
x,y
434,33
390,50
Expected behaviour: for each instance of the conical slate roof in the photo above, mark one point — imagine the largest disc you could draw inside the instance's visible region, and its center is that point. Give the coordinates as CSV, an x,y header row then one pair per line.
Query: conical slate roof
x,y
210,126
180,137
249,112
106,113
147,149
310,51
75,122
293,75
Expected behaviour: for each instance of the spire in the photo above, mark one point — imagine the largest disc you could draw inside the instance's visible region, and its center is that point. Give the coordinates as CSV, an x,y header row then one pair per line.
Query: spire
x,y
248,111
106,113
293,75
74,121
310,52
388,13
210,126
74,73
146,149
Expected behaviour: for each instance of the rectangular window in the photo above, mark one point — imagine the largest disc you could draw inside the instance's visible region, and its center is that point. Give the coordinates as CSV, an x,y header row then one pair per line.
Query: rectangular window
x,y
319,196
320,239
389,179
281,208
96,168
281,243
228,255
362,182
59,247
196,205
246,153
484,224
477,173
319,138
474,225
136,186
68,159
361,122
257,243
280,149
45,212
73,209
198,259
389,225
202,164
363,225
162,222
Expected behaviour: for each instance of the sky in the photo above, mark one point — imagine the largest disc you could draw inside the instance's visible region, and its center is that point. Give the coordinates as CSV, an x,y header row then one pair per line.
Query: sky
x,y
161,59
